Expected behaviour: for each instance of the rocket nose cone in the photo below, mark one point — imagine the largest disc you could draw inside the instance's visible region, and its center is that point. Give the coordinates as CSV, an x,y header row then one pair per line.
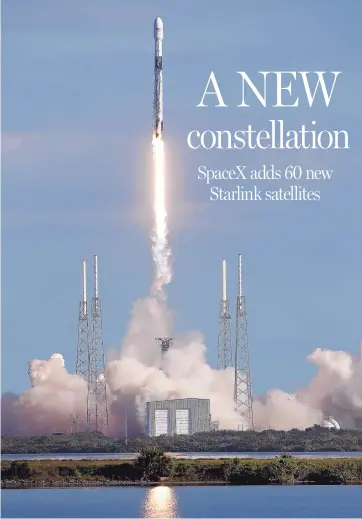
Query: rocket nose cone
x,y
158,23
158,29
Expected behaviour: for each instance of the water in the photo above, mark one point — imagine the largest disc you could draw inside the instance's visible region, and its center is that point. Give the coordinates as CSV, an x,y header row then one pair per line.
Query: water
x,y
187,455
162,501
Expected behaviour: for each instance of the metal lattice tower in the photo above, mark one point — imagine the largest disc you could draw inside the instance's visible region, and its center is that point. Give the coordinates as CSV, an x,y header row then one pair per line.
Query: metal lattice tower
x,y
224,351
83,330
30,374
242,387
82,367
165,343
97,409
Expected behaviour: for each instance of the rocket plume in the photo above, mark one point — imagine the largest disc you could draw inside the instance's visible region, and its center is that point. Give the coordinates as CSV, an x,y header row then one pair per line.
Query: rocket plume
x,y
160,250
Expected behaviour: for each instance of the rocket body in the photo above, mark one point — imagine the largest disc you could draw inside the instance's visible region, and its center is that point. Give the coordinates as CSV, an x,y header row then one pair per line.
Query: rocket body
x,y
158,92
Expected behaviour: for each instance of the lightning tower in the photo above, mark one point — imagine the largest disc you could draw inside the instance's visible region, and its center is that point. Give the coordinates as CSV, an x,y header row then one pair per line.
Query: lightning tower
x,y
82,367
83,330
97,408
224,352
242,387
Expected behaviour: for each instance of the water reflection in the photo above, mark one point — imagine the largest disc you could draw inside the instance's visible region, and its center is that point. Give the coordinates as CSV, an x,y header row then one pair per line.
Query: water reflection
x,y
160,502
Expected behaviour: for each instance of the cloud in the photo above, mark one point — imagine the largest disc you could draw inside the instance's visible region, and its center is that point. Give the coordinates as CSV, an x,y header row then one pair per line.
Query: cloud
x,y
11,142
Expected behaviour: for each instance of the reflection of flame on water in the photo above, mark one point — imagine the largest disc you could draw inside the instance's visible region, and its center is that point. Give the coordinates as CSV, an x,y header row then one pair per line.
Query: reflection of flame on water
x,y
160,502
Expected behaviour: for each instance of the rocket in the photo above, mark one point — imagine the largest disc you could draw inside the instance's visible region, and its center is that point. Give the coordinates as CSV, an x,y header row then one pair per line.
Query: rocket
x,y
158,93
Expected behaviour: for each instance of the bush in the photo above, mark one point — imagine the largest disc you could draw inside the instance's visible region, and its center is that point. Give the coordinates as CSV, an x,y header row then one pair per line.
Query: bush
x,y
239,472
183,472
338,473
68,472
18,470
153,464
283,471
122,472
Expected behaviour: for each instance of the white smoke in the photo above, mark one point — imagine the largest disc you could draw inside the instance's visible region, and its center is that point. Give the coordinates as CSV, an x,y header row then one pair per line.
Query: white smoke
x,y
138,373
184,372
335,390
50,405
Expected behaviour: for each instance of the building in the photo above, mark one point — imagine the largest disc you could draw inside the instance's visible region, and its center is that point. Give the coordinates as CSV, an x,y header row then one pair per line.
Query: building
x,y
330,423
178,416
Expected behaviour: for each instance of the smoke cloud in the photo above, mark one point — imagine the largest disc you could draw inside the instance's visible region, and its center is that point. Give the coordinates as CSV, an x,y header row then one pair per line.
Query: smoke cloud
x,y
50,405
137,373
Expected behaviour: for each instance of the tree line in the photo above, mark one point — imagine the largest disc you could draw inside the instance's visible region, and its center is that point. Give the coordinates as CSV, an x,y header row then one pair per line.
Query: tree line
x,y
314,439
154,466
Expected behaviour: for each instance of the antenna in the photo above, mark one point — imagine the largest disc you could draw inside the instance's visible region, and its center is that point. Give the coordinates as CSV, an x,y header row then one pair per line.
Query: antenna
x,y
224,298
242,384
84,288
96,276
224,352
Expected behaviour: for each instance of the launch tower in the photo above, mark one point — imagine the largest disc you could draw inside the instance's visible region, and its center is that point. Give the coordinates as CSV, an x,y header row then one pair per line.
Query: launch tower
x,y
224,352
97,409
90,358
242,387
165,343
83,330
82,367
30,374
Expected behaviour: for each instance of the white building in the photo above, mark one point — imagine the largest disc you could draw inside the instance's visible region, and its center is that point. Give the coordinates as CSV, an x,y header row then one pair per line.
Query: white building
x,y
178,416
330,423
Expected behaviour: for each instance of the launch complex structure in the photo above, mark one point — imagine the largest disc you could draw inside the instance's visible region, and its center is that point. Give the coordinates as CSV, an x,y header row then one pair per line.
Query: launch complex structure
x,y
90,358
227,356
241,362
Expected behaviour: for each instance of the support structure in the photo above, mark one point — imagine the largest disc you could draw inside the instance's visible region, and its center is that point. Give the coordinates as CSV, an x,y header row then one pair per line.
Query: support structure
x,y
83,330
30,373
82,366
165,344
224,352
97,409
242,387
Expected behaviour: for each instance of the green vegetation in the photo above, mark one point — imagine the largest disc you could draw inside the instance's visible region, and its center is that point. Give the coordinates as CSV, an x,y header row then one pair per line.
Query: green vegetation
x,y
153,466
313,439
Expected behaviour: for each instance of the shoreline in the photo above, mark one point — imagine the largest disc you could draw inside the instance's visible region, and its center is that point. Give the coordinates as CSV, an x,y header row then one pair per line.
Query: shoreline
x,y
26,485
127,457
17,485
284,470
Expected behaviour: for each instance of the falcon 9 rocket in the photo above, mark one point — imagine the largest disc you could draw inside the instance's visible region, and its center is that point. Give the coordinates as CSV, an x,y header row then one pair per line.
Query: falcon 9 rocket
x,y
158,94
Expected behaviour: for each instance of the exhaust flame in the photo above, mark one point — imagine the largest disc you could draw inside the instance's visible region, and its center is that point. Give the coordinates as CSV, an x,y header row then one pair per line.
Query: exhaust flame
x,y
160,250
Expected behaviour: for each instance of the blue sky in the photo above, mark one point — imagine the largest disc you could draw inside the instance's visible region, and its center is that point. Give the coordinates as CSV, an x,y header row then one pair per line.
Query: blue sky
x,y
77,122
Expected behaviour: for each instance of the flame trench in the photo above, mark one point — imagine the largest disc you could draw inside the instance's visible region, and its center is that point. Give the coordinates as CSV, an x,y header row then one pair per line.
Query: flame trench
x,y
160,250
